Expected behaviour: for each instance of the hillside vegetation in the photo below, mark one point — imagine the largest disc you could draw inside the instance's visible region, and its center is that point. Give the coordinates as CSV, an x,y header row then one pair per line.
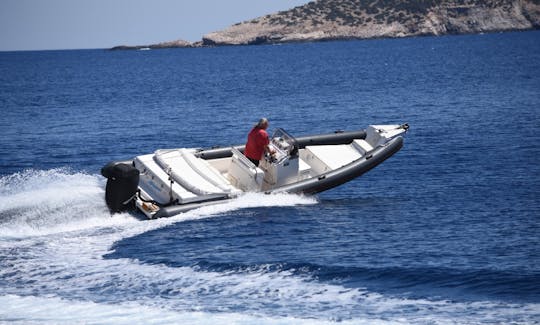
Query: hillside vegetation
x,y
343,19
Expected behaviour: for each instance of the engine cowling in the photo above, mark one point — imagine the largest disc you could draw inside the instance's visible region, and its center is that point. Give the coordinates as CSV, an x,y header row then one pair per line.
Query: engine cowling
x,y
122,184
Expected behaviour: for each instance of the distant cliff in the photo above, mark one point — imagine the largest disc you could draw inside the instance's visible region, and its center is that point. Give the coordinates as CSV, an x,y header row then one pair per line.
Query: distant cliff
x,y
363,19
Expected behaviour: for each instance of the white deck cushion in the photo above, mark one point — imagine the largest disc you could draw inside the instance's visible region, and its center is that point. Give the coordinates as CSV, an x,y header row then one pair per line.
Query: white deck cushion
x,y
156,181
362,145
333,156
192,173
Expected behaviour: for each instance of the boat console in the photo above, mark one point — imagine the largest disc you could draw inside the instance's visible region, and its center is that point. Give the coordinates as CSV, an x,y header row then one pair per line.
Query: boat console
x,y
282,167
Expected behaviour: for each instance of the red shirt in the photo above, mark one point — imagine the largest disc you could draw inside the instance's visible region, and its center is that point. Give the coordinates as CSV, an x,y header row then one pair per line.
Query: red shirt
x,y
257,140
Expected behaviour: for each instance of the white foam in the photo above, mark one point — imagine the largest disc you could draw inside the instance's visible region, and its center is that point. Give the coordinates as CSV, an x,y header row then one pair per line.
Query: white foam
x,y
36,203
53,310
248,200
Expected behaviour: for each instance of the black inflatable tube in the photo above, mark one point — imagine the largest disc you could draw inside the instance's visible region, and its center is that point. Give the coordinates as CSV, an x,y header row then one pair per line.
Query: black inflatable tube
x,y
331,138
311,140
177,209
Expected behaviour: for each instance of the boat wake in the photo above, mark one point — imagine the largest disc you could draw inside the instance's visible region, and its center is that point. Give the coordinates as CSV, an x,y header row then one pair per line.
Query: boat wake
x,y
37,203
55,231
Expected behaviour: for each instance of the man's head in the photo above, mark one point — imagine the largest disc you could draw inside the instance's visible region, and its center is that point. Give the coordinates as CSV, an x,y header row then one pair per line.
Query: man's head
x,y
262,124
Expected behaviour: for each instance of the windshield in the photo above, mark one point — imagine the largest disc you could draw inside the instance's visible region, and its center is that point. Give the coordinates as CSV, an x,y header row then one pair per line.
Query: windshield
x,y
285,142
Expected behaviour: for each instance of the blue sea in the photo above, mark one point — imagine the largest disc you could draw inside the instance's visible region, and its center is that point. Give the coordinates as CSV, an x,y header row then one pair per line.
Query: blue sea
x,y
447,231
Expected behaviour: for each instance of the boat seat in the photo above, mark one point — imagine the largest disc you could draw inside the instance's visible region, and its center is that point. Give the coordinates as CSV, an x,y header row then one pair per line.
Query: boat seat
x,y
157,184
326,158
244,174
362,146
191,172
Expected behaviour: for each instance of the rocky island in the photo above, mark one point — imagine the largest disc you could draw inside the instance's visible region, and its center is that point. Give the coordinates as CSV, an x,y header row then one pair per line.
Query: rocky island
x,y
324,20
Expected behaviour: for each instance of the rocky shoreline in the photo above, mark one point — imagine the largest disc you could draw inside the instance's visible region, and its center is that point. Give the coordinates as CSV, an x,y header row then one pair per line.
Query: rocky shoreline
x,y
325,20
164,45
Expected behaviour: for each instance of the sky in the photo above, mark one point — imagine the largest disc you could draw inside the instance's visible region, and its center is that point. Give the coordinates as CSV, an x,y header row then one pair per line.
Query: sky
x,y
84,24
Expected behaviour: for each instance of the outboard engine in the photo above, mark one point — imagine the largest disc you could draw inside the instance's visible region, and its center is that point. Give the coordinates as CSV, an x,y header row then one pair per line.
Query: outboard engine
x,y
122,183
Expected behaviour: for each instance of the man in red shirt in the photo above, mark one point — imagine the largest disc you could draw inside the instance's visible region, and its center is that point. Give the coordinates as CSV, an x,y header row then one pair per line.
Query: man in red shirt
x,y
257,142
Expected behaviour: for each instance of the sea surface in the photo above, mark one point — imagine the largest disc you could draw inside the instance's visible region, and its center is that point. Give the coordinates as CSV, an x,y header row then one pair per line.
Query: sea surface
x,y
447,231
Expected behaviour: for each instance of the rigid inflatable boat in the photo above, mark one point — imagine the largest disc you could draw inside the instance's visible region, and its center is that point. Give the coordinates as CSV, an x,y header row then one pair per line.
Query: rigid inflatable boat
x,y
171,181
